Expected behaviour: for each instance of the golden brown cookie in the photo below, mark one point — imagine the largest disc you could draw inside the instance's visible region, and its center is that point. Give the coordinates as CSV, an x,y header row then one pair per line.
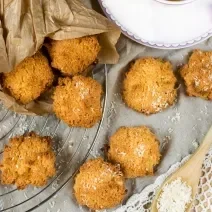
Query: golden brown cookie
x,y
77,101
28,160
99,185
136,149
29,79
74,56
149,86
197,75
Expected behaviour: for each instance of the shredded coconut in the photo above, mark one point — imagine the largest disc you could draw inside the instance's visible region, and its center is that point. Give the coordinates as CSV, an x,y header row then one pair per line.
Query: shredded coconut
x,y
121,153
176,118
175,197
139,151
197,82
195,143
170,130
52,204
165,143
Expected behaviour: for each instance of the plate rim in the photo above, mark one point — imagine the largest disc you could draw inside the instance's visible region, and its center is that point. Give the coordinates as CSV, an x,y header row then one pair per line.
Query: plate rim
x,y
142,41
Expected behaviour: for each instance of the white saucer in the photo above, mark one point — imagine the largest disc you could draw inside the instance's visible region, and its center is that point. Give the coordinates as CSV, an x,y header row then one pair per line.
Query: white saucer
x,y
160,25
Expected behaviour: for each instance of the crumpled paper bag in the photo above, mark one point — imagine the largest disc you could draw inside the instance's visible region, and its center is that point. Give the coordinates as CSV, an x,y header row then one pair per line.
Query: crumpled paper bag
x,y
24,24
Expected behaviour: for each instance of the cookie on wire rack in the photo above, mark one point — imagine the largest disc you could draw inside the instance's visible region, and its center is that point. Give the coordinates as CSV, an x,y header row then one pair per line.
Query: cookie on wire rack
x,y
28,160
77,101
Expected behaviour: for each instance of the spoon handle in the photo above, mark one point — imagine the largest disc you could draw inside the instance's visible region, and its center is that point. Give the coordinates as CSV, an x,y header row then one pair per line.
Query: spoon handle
x,y
205,146
190,172
194,165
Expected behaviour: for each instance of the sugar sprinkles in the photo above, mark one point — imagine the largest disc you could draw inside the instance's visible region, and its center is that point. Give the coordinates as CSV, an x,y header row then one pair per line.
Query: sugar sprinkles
x,y
175,197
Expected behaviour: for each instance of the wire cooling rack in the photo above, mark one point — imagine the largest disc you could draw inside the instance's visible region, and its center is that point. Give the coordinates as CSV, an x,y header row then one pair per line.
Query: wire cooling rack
x,y
71,145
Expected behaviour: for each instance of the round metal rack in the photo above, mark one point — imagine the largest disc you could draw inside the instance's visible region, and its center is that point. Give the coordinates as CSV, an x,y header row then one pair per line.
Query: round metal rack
x,y
71,145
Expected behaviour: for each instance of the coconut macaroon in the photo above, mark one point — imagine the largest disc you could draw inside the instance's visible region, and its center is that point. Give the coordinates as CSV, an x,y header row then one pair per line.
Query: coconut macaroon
x,y
27,160
77,101
99,185
74,56
197,75
136,149
149,86
29,79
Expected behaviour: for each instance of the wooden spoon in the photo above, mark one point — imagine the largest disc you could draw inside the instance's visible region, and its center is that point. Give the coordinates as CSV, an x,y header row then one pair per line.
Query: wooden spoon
x,y
190,172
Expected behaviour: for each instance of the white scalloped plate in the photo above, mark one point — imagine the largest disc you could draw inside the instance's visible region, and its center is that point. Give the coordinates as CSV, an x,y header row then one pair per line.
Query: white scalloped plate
x,y
160,25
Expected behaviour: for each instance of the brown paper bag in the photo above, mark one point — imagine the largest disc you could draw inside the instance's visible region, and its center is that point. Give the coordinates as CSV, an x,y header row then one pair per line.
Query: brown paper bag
x,y
25,24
